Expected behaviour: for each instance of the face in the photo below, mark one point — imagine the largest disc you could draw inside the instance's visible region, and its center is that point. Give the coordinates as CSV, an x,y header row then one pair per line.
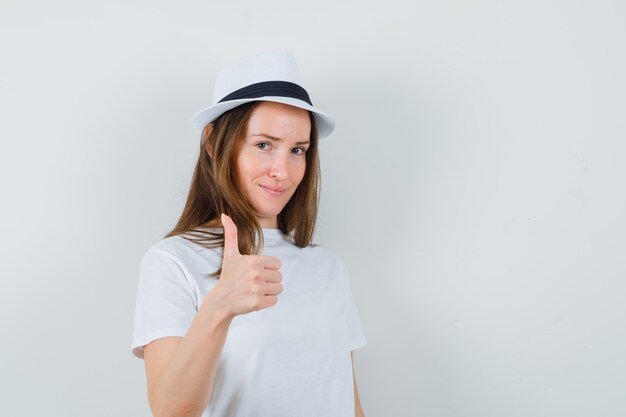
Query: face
x,y
270,159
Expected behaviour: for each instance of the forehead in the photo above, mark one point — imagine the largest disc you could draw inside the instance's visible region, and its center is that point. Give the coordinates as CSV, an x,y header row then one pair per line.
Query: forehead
x,y
280,120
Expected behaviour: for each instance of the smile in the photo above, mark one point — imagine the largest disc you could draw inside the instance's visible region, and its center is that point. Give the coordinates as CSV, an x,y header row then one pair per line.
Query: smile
x,y
273,190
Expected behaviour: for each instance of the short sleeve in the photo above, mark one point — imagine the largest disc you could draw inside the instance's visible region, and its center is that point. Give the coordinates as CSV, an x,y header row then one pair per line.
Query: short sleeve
x,y
357,336
166,301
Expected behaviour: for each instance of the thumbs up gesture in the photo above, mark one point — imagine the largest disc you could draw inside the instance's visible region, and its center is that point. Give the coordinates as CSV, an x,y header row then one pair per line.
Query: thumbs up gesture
x,y
248,282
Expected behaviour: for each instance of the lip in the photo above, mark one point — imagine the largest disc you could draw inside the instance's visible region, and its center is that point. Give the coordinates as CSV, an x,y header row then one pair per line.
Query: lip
x,y
277,191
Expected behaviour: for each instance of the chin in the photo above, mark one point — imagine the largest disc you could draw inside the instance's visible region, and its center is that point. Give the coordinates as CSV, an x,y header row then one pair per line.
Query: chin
x,y
269,211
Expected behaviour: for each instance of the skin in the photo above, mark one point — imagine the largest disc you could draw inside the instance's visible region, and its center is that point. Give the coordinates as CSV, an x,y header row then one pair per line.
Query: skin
x,y
358,410
180,371
272,155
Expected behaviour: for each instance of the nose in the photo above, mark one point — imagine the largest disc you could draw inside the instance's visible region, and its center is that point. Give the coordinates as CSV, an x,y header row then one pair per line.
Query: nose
x,y
279,167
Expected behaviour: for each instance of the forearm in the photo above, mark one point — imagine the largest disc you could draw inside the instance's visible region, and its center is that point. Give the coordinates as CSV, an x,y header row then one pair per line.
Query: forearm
x,y
358,410
184,387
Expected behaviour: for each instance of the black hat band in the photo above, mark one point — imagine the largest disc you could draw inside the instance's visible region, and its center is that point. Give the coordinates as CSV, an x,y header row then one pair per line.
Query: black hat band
x,y
269,88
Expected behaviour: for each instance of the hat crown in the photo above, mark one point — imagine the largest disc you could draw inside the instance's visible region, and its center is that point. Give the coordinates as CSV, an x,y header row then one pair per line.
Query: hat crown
x,y
270,76
272,66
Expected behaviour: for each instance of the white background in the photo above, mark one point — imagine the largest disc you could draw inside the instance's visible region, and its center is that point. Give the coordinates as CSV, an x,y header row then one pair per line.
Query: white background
x,y
475,186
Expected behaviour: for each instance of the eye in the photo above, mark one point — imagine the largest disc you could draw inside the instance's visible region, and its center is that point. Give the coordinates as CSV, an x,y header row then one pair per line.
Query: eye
x,y
261,145
299,151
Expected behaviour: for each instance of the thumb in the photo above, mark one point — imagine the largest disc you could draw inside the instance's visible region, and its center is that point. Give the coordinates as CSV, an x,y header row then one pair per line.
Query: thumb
x,y
231,243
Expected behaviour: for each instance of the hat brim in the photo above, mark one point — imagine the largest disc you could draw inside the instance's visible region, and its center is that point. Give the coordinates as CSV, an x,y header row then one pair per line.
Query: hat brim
x,y
325,122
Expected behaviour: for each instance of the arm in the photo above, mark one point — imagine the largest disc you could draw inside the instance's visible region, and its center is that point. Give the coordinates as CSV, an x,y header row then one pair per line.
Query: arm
x,y
358,411
180,371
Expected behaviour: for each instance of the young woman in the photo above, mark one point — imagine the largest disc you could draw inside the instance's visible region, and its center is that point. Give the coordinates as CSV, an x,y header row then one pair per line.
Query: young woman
x,y
238,313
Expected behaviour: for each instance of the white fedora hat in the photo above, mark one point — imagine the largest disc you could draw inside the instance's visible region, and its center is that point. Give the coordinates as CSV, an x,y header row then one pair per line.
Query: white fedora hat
x,y
262,77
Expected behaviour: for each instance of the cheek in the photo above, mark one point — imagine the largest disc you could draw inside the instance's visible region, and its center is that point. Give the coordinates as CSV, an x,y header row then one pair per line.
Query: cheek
x,y
245,168
300,170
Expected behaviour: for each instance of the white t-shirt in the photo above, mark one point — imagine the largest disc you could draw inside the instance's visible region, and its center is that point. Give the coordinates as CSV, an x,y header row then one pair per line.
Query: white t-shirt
x,y
291,359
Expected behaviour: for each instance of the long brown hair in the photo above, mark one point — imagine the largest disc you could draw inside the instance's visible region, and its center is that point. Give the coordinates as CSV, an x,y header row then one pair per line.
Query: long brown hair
x,y
213,191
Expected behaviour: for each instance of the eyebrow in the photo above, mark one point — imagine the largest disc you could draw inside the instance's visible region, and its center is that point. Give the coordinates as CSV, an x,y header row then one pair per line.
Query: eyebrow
x,y
265,135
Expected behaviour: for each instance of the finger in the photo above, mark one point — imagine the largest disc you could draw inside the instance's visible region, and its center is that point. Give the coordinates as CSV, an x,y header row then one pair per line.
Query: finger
x,y
273,289
269,275
268,301
271,262
231,243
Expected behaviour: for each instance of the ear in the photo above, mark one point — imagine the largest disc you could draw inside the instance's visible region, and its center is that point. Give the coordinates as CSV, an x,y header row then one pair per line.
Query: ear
x,y
206,134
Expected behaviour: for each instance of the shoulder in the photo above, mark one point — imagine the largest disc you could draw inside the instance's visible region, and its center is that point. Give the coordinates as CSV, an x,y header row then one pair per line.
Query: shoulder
x,y
322,255
172,245
181,251
323,251
181,244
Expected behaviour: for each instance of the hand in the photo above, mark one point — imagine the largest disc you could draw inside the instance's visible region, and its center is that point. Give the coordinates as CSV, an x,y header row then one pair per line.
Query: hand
x,y
248,282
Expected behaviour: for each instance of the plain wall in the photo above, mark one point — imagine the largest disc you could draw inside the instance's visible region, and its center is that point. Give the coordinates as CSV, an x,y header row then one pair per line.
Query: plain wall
x,y
475,186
